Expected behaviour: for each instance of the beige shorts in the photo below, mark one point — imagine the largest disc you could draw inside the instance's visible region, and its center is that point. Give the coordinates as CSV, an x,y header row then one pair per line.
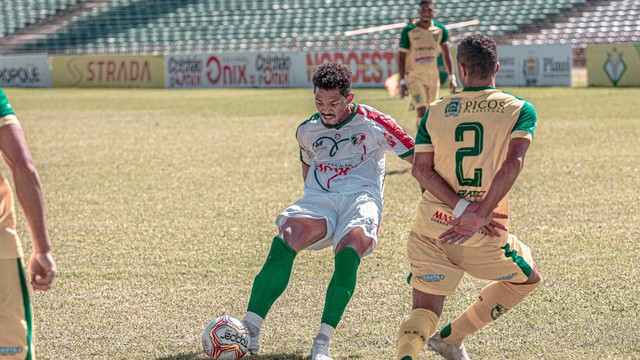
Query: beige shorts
x,y
438,268
15,312
423,92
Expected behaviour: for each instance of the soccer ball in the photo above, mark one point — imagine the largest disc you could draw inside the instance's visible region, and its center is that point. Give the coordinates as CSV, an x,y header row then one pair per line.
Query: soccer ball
x,y
225,338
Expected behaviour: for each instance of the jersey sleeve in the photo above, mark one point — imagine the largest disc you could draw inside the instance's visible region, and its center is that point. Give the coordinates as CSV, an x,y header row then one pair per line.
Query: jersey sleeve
x,y
526,124
404,40
389,133
306,154
445,32
423,139
5,111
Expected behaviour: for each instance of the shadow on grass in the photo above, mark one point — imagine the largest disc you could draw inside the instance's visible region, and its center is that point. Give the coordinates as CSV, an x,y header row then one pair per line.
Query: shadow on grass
x,y
200,356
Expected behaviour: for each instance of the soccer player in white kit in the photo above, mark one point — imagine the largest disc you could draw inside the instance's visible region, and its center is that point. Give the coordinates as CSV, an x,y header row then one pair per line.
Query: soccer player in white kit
x,y
342,154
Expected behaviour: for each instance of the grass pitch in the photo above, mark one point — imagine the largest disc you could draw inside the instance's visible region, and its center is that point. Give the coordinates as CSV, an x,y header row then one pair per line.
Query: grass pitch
x,y
161,206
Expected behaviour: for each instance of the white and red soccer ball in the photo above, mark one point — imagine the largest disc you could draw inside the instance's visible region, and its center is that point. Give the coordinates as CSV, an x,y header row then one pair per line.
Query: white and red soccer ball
x,y
225,338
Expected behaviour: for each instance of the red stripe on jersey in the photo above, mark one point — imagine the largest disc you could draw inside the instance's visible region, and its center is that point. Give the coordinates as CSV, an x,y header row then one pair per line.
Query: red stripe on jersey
x,y
389,124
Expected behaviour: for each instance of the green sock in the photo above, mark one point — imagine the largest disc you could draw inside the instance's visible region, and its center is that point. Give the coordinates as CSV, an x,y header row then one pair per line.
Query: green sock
x,y
341,286
271,281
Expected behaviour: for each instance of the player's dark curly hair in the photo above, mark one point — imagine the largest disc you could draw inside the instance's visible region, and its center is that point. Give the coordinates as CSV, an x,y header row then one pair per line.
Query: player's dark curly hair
x,y
331,76
479,54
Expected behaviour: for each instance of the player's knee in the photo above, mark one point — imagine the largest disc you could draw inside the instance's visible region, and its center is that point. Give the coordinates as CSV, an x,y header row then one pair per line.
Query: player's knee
x,y
300,233
356,239
534,277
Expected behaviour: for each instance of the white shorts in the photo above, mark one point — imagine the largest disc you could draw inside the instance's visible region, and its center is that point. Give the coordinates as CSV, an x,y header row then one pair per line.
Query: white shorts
x,y
343,213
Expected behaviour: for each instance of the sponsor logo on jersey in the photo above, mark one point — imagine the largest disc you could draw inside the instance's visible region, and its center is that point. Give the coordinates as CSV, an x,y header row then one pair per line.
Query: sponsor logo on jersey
x,y
615,66
390,140
431,277
498,311
441,218
425,59
453,107
10,350
372,224
506,277
471,194
358,139
318,144
479,106
436,36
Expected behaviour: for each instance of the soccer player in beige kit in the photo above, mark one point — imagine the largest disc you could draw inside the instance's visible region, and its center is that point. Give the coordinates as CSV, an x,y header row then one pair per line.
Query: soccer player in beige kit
x,y
16,329
469,151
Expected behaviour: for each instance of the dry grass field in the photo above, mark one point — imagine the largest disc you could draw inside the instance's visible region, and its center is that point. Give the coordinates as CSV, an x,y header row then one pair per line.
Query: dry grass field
x,y
161,206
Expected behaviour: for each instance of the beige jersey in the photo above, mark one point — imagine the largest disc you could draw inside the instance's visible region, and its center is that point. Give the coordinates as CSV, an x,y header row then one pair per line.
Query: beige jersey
x,y
469,134
422,47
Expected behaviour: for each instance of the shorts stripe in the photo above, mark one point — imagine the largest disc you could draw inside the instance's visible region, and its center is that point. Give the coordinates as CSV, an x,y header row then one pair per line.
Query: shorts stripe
x,y
27,307
517,259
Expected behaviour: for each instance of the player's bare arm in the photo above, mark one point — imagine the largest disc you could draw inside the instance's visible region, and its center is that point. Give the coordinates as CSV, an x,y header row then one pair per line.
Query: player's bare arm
x,y
404,90
423,171
428,178
29,193
448,63
476,217
409,159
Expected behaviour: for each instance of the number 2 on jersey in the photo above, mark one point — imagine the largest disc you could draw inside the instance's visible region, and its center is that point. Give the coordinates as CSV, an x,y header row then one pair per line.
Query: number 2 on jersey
x,y
478,134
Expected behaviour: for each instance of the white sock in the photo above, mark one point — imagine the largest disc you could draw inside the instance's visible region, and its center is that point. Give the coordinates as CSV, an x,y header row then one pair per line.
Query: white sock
x,y
253,322
325,333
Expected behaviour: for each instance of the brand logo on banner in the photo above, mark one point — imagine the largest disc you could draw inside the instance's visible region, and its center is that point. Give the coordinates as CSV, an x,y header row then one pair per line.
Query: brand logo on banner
x,y
248,70
27,74
368,68
530,68
185,71
541,65
615,67
108,71
25,71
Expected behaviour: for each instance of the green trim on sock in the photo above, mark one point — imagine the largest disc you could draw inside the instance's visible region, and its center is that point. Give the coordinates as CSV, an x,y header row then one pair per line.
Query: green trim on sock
x,y
445,331
273,279
342,285
27,309
407,358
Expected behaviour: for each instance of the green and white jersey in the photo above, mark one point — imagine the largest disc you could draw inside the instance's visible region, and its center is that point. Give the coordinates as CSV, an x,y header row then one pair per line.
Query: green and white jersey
x,y
422,47
350,157
469,134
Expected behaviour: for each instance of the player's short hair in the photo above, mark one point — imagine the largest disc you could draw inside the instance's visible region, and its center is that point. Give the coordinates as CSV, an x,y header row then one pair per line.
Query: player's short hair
x,y
331,76
426,2
479,54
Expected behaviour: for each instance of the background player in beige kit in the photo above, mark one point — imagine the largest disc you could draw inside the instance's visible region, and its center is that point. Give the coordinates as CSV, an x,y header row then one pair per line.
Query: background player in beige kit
x,y
469,151
420,44
15,309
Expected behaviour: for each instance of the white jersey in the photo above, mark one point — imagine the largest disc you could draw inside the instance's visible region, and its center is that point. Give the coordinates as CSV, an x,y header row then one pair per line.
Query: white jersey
x,y
350,157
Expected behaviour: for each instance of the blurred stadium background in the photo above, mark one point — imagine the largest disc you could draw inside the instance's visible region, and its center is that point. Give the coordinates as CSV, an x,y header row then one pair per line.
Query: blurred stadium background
x,y
168,26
